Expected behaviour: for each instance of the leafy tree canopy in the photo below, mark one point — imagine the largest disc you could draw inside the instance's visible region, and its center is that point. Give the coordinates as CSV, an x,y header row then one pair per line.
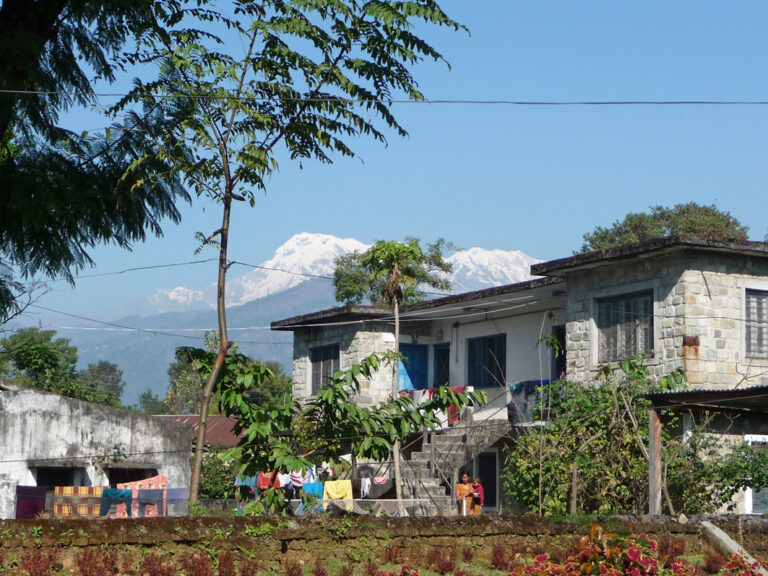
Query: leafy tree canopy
x,y
64,192
390,271
36,358
150,403
689,219
105,377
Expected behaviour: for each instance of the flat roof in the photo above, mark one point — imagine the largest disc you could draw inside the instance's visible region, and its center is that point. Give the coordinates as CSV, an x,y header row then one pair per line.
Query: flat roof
x,y
648,247
486,293
347,313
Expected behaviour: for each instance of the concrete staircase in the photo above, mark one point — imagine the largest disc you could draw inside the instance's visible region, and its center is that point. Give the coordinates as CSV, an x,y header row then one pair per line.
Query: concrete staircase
x,y
430,473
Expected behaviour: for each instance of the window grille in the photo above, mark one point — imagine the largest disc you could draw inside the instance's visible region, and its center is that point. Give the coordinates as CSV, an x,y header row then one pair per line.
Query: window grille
x,y
325,363
625,326
757,317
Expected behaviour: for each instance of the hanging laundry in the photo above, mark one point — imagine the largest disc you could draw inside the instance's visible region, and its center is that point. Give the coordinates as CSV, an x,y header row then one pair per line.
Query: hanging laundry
x,y
338,490
30,501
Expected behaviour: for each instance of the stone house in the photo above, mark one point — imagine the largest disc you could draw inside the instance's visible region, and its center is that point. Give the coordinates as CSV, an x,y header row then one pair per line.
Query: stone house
x,y
50,440
487,340
699,305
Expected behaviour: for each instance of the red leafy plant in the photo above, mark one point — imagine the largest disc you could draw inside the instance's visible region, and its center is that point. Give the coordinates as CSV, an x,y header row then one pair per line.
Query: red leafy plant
x,y
392,555
292,568
248,567
319,569
499,558
197,565
153,565
467,553
38,562
101,562
347,570
226,564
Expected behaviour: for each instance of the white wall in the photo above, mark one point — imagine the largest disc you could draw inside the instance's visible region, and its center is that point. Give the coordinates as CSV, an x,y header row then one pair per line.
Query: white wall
x,y
46,427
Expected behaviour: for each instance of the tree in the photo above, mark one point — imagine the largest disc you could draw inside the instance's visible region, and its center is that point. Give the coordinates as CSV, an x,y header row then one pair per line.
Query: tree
x,y
334,418
150,403
185,389
105,377
595,452
689,219
35,357
306,77
392,273
64,192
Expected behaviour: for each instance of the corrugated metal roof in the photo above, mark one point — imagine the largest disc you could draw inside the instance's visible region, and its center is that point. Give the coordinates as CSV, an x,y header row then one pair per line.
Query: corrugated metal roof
x,y
218,428
751,399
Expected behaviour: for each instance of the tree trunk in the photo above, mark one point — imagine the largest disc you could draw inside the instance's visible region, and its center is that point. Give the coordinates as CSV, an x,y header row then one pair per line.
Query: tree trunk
x,y
224,344
396,447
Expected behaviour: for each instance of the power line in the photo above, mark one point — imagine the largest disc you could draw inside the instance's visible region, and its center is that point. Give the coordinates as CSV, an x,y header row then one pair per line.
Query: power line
x,y
387,101
154,332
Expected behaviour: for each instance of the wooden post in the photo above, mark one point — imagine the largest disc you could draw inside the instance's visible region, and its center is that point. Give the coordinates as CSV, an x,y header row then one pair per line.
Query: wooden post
x,y
654,463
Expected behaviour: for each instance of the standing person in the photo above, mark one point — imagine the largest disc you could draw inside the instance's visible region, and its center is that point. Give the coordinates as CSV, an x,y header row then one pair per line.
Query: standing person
x,y
464,495
478,497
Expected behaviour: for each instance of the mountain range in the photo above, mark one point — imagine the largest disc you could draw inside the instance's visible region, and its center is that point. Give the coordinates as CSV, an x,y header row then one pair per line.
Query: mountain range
x,y
296,280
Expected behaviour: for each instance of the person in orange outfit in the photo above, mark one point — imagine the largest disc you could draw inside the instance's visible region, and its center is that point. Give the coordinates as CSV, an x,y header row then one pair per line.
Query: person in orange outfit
x,y
464,491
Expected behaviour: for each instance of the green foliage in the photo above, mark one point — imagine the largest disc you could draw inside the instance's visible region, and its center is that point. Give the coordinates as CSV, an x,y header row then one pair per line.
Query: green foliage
x,y
268,443
390,271
150,403
105,377
218,475
64,192
689,219
188,374
602,432
36,358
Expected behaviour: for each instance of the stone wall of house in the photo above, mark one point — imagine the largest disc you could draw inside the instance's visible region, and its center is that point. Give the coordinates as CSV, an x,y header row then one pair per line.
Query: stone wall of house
x,y
698,314
39,429
354,344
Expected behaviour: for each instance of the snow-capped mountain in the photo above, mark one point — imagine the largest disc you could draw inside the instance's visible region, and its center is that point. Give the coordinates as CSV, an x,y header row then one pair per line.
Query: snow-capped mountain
x,y
476,268
311,254
315,255
305,253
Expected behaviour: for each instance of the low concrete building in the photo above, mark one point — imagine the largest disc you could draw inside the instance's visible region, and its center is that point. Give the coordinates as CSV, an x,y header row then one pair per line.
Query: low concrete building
x,y
50,440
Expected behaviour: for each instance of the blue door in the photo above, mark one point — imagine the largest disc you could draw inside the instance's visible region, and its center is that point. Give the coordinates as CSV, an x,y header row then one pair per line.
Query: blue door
x,y
412,371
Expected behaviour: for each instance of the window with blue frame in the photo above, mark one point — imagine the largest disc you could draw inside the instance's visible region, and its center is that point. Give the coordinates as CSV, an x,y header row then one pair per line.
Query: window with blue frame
x,y
442,374
412,372
487,361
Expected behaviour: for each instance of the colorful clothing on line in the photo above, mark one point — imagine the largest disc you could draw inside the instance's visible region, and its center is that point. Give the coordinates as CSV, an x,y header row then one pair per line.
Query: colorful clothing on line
x,y
297,481
155,508
76,501
338,490
111,496
365,487
313,489
378,490
30,501
267,480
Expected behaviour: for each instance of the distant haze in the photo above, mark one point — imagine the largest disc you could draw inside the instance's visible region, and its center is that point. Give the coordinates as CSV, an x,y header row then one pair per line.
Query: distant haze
x,y
294,281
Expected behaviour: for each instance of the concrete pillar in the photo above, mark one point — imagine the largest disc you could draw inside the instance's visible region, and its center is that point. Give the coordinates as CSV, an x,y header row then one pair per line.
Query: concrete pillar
x,y
7,498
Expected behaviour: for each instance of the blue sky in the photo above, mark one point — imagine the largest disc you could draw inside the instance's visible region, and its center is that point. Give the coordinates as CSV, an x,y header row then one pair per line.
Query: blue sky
x,y
531,178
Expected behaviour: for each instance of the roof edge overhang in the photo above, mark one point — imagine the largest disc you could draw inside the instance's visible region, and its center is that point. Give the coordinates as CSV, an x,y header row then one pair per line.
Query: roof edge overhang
x,y
653,246
347,313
